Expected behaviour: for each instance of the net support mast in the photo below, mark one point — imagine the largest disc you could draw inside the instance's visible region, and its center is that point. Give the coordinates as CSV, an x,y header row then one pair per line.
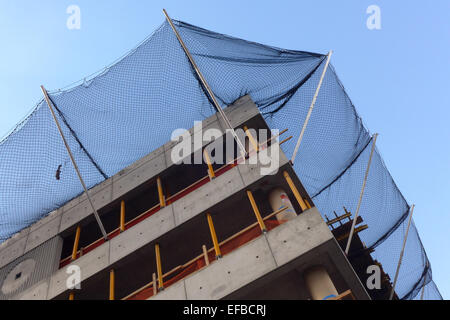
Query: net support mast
x,y
352,230
311,107
401,253
97,217
205,84
424,282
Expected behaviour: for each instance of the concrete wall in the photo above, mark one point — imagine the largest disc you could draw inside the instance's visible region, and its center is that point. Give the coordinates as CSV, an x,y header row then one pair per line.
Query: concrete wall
x,y
31,271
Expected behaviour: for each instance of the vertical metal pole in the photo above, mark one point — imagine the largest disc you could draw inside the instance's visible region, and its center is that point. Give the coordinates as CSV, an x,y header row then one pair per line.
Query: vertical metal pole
x,y
424,283
256,211
111,284
155,288
97,217
122,216
205,84
214,236
162,200
349,241
158,267
311,107
294,190
205,254
75,243
401,253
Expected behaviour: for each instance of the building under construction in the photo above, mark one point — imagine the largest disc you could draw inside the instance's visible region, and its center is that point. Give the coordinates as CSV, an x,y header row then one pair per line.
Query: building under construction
x,y
272,220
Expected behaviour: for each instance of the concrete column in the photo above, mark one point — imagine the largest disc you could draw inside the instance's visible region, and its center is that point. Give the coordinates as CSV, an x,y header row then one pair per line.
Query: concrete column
x,y
319,283
278,199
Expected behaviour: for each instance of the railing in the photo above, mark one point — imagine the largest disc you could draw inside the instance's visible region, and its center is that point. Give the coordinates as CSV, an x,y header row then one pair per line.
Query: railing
x,y
207,257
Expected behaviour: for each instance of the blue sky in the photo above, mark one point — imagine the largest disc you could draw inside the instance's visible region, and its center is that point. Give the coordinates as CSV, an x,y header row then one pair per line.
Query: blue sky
x,y
398,77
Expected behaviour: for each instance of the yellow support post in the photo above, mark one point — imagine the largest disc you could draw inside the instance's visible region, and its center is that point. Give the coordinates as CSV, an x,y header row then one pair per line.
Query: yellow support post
x,y
256,211
75,244
158,267
71,296
122,216
307,203
111,284
214,236
297,195
162,200
205,255
211,173
251,139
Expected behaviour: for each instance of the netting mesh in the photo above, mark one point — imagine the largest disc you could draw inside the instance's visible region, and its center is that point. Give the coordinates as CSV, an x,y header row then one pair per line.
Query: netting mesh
x,y
132,107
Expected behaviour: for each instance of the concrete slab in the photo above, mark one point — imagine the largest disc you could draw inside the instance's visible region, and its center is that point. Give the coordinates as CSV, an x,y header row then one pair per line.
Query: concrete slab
x,y
152,155
240,111
251,173
141,234
14,250
300,235
52,215
233,271
207,195
194,133
96,189
43,233
136,177
83,209
208,122
89,264
19,235
37,292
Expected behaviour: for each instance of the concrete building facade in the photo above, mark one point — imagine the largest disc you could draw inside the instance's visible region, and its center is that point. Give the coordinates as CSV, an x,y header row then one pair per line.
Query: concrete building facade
x,y
186,231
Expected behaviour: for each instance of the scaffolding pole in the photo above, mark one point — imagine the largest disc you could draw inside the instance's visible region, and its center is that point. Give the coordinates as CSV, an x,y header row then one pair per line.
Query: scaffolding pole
x,y
311,107
352,230
424,283
205,84
401,253
97,217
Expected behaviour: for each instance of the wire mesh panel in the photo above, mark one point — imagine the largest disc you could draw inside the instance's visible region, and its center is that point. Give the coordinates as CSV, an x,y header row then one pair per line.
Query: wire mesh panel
x,y
132,107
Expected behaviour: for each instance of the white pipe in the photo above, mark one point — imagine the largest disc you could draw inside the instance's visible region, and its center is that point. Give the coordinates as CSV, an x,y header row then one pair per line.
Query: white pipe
x,y
97,217
279,199
311,107
361,194
401,253
319,283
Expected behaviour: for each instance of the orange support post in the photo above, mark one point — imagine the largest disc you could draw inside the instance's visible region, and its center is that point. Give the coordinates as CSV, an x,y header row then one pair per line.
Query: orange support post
x,y
162,200
294,190
122,216
158,267
214,236
111,284
256,211
75,243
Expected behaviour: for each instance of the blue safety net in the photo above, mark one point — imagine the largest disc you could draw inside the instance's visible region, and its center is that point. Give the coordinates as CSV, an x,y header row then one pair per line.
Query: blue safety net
x,y
130,108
